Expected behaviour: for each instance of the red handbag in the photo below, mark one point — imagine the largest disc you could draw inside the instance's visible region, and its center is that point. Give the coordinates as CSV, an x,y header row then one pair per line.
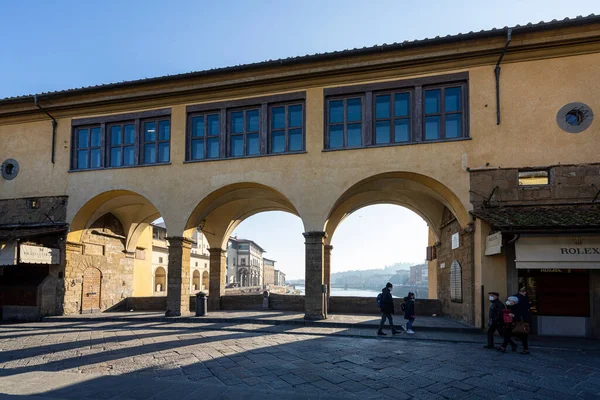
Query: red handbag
x,y
506,316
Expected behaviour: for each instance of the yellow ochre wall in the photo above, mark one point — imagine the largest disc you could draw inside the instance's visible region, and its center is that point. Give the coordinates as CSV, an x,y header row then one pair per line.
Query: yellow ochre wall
x,y
142,269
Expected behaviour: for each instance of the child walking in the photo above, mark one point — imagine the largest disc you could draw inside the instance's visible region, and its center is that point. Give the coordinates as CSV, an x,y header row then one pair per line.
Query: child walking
x,y
409,312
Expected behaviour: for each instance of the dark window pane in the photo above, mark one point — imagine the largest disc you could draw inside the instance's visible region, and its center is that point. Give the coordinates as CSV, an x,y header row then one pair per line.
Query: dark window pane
x,y
115,135
164,130
252,144
149,131
149,154
354,135
95,137
336,136
354,110
432,101
251,121
164,152
432,128
82,138
115,157
382,106
382,132
212,148
197,149
236,147
82,159
402,130
198,126
336,111
129,134
402,105
295,116
212,123
278,118
277,141
95,158
237,122
128,155
295,140
453,125
452,99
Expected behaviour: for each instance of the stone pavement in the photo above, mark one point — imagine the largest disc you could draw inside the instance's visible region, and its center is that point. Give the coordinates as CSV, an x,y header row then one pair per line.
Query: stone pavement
x,y
129,359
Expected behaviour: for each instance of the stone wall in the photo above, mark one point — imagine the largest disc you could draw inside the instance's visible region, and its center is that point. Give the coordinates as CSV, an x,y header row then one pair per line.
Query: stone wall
x,y
567,183
368,305
51,209
463,311
103,248
242,302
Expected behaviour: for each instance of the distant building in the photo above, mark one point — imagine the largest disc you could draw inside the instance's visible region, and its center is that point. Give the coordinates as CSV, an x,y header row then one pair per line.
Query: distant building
x,y
418,274
268,272
246,266
279,278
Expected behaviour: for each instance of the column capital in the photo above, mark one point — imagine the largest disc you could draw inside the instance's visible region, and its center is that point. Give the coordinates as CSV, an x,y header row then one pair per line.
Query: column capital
x,y
328,247
315,234
179,241
216,250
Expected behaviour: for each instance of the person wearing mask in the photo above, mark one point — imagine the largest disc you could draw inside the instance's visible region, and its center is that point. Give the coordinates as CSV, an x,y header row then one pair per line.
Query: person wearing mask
x,y
524,305
511,315
387,309
495,321
409,312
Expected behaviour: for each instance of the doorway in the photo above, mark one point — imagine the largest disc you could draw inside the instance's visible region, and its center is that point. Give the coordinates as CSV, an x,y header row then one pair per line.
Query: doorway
x,y
90,296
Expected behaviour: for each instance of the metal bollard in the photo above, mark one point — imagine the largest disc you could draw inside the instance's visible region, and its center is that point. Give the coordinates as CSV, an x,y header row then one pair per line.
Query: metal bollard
x,y
201,304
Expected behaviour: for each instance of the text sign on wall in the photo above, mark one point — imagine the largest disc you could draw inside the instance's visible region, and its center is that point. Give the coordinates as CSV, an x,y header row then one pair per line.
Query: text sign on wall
x,y
493,244
8,253
455,241
38,255
558,252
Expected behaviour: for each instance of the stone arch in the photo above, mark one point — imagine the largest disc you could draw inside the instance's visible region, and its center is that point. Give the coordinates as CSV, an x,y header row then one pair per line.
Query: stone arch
x,y
134,211
205,280
219,213
422,194
160,278
196,280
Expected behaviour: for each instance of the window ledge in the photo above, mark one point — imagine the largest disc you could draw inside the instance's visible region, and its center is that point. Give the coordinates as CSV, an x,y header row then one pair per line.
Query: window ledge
x,y
244,157
124,167
378,146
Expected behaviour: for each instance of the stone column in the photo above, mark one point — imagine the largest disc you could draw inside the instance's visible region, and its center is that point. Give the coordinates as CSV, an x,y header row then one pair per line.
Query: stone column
x,y
314,255
178,277
327,270
218,277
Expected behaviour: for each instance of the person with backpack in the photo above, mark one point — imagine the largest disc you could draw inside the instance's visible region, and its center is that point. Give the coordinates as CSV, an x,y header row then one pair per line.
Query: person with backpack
x,y
409,312
386,303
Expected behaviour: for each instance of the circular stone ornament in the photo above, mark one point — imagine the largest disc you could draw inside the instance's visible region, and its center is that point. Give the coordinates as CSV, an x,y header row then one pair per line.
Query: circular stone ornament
x,y
575,117
10,169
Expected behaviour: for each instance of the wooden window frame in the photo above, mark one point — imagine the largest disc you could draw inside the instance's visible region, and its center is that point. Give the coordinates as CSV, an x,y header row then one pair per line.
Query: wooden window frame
x,y
287,128
456,293
105,122
393,118
345,122
205,138
442,111
157,142
416,88
225,108
245,132
88,148
110,146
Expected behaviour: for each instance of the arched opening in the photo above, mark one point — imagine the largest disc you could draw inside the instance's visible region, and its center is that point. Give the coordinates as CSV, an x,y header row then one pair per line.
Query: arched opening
x,y
430,203
160,282
236,258
113,232
195,281
205,281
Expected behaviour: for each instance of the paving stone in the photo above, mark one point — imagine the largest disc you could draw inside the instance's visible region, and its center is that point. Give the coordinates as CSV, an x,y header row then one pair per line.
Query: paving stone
x,y
393,394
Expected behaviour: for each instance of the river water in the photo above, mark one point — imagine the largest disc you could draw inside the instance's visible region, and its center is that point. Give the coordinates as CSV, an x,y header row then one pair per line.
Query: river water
x,y
398,292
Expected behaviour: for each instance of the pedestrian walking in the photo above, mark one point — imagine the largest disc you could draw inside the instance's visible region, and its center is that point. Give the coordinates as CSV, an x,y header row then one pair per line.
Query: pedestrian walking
x,y
387,309
495,321
409,312
514,325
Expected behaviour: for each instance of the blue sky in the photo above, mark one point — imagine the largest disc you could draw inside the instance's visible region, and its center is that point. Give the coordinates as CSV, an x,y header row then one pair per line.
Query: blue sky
x,y
54,45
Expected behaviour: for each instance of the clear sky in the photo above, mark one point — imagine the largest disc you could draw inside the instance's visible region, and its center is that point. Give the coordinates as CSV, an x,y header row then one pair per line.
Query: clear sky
x,y
62,44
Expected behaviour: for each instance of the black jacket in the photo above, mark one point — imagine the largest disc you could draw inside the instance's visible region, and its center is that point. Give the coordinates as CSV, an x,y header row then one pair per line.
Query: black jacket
x,y
522,308
387,303
409,308
495,312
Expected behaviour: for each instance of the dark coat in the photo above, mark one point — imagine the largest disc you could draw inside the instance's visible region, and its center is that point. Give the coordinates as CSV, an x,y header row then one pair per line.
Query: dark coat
x,y
495,312
387,303
522,309
409,309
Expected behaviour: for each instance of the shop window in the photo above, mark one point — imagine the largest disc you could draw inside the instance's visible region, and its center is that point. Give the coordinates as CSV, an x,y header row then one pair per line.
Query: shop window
x,y
533,178
456,282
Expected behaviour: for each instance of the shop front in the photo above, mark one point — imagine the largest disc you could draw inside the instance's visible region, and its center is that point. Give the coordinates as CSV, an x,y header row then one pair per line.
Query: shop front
x,y
562,277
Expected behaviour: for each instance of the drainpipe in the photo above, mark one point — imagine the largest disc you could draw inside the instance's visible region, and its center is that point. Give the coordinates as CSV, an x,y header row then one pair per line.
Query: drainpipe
x,y
54,123
497,72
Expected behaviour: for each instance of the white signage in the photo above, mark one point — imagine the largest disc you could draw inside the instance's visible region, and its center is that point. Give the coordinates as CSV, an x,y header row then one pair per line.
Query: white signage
x,y
8,253
493,244
38,255
443,265
558,252
455,241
